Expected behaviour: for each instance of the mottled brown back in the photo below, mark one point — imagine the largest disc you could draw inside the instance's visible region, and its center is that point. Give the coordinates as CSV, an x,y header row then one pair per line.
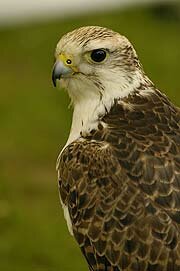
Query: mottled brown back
x,y
121,184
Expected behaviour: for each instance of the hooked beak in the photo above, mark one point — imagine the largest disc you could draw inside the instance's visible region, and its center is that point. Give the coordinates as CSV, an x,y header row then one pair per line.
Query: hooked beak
x,y
59,69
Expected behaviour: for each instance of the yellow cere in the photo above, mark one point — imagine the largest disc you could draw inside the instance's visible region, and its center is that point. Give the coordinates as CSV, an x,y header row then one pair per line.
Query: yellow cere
x,y
65,59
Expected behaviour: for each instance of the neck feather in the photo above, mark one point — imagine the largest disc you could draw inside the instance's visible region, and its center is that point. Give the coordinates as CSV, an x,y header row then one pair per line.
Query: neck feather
x,y
89,110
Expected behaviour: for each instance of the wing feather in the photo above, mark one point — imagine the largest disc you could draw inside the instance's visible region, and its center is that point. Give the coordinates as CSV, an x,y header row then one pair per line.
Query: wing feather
x,y
123,195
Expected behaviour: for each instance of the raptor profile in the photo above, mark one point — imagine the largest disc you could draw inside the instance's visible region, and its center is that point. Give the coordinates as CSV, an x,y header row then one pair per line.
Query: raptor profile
x,y
119,172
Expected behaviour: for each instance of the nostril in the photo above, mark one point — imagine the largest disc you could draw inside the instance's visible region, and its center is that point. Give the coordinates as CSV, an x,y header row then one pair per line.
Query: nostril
x,y
68,61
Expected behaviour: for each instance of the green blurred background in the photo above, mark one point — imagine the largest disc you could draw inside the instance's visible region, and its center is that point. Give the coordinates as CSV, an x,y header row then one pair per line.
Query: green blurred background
x,y
35,121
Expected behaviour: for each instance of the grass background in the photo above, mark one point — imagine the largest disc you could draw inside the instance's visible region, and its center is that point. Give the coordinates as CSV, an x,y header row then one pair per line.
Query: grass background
x,y
34,125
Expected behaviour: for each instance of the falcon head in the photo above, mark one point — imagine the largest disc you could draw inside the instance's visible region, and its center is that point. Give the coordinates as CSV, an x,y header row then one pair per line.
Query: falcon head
x,y
96,62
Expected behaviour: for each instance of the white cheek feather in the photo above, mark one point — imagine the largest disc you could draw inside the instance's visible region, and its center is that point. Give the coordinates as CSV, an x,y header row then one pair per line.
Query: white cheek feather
x,y
89,105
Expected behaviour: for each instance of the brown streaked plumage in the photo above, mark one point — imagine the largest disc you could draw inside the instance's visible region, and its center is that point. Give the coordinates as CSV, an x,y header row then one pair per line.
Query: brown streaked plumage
x,y
120,180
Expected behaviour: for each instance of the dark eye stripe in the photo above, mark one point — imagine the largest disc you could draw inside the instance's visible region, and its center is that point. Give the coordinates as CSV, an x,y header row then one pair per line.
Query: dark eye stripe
x,y
98,55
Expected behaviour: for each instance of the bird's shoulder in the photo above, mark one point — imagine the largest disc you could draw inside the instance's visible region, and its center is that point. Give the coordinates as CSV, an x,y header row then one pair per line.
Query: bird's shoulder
x,y
138,139
121,183
139,146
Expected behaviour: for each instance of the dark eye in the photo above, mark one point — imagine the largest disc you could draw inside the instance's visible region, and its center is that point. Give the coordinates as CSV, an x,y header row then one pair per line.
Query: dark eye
x,y
98,55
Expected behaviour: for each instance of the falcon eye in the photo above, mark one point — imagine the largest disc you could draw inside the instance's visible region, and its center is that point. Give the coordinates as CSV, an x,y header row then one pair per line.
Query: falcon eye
x,y
98,55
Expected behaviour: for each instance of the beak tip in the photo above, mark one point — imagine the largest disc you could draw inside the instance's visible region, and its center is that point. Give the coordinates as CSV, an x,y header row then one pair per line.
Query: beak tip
x,y
54,81
56,74
58,70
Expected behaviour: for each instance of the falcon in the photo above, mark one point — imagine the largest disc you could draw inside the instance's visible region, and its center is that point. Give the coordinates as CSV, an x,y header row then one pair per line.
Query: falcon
x,y
119,172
